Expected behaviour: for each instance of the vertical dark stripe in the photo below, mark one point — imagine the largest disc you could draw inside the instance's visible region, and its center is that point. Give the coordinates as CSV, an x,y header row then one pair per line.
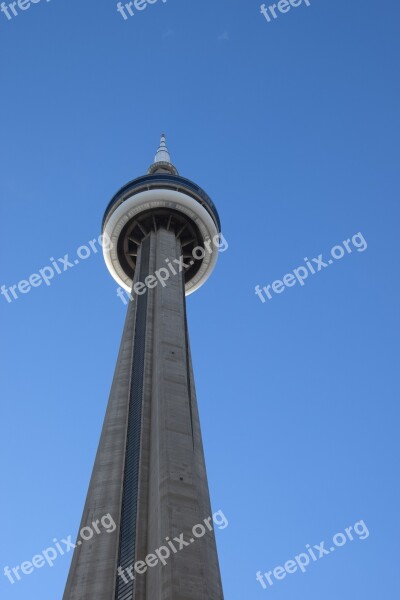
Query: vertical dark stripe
x,y
127,540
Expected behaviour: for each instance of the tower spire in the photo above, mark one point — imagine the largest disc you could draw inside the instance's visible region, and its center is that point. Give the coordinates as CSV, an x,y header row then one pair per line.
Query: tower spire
x,y
162,154
162,160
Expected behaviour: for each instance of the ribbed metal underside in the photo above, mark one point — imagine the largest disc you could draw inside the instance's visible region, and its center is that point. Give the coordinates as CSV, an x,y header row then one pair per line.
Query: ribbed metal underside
x,y
136,229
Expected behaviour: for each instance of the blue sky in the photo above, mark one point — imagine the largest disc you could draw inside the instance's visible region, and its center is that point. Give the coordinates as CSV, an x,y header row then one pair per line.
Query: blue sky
x,y
292,127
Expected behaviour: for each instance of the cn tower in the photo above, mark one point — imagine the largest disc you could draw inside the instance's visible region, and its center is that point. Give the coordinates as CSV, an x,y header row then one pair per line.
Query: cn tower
x,y
149,472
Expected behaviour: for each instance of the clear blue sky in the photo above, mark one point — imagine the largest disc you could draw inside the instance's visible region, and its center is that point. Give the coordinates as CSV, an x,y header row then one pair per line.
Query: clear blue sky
x,y
292,127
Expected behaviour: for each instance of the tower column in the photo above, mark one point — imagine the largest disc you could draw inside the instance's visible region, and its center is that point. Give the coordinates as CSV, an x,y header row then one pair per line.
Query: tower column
x,y
173,493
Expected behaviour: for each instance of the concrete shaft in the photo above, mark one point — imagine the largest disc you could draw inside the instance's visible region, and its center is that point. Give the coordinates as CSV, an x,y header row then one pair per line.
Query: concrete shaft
x,y
149,472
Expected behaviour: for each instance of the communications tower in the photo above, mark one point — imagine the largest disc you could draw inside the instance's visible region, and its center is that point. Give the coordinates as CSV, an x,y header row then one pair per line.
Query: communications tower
x,y
149,472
